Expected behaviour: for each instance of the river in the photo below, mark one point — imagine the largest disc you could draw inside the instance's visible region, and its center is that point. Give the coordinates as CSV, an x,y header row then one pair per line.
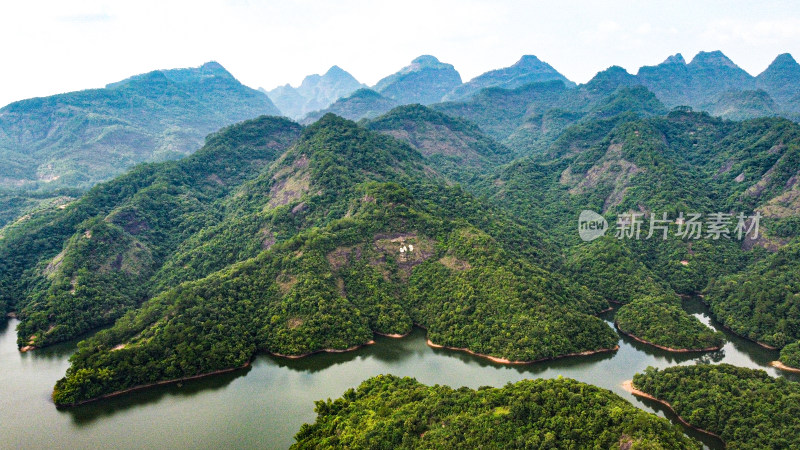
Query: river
x,y
265,405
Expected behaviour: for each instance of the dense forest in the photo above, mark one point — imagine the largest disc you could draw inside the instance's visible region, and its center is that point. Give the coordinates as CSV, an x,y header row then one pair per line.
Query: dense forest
x,y
458,217
746,408
391,412
762,302
790,355
662,321
424,254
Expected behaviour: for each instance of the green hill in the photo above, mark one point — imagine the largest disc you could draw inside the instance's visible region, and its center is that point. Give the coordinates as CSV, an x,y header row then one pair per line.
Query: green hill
x,y
285,235
363,103
562,413
746,408
101,251
454,146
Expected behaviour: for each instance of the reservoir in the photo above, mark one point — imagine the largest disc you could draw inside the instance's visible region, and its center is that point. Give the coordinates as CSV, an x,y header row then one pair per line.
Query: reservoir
x,y
265,405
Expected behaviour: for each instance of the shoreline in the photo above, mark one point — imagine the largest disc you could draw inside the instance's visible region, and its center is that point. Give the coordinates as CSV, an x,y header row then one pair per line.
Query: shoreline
x,y
510,362
394,335
324,350
207,374
727,328
628,386
151,385
784,367
669,349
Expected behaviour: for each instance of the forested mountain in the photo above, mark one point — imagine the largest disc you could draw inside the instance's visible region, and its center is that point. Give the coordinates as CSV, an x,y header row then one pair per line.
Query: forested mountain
x,y
454,146
670,164
562,413
712,82
762,303
781,80
67,271
363,103
346,223
424,81
80,138
746,408
314,93
530,117
528,69
459,217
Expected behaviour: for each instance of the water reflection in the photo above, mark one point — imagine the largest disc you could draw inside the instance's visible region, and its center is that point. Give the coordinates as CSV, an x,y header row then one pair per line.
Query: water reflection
x,y
265,405
106,408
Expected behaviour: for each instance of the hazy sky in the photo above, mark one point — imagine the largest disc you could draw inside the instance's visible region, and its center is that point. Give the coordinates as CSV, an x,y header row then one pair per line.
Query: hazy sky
x,y
50,47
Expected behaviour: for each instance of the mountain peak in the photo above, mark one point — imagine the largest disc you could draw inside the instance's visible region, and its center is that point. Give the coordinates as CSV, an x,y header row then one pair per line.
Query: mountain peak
x,y
782,61
336,71
781,80
529,69
426,80
528,61
426,60
715,58
610,79
677,58
213,66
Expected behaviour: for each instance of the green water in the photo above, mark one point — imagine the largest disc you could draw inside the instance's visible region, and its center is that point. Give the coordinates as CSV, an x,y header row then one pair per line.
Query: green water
x,y
264,406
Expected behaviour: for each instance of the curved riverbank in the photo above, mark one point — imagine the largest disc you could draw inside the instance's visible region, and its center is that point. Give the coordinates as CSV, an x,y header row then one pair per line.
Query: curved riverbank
x,y
151,385
727,328
394,335
782,366
507,361
628,386
669,349
324,350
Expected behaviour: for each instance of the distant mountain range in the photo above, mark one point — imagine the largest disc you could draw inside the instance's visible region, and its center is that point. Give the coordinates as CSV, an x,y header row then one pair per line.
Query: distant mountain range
x,y
710,82
77,139
80,138
314,93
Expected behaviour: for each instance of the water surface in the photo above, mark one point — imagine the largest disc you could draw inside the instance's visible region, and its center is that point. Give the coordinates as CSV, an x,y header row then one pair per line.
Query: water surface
x,y
265,405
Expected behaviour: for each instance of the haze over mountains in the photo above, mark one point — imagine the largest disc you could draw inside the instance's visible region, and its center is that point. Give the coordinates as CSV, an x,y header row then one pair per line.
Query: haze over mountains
x,y
710,82
80,138
314,93
442,204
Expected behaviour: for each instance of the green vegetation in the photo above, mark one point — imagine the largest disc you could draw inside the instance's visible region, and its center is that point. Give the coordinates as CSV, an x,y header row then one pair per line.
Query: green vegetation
x,y
101,251
790,355
391,412
612,270
746,408
763,302
662,321
380,270
346,233
80,138
455,147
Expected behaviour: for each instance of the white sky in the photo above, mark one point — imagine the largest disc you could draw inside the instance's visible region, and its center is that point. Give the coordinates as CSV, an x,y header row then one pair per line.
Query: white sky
x,y
50,47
